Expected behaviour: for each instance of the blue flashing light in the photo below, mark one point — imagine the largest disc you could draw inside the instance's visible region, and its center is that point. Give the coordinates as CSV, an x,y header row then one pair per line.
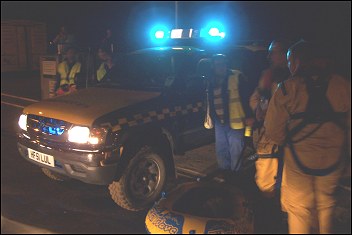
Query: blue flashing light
x,y
55,131
60,131
213,31
159,34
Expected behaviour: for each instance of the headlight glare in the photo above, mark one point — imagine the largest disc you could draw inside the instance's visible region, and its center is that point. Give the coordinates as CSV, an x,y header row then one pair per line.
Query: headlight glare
x,y
78,134
22,122
84,135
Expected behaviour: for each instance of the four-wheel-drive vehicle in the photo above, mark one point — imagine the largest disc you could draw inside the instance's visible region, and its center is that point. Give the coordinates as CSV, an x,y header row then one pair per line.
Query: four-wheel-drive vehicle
x,y
125,131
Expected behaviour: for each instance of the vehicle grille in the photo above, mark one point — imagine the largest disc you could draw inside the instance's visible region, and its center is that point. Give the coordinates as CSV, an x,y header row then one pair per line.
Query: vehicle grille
x,y
47,128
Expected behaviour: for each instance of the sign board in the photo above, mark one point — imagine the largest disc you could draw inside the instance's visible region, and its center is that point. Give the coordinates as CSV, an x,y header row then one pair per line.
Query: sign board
x,y
48,67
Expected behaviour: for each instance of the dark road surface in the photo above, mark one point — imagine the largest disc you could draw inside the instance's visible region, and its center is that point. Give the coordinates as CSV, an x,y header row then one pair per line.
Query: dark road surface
x,y
30,198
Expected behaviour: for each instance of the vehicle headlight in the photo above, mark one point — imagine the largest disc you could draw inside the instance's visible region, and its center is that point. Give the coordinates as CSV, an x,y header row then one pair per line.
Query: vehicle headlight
x,y
78,134
22,122
83,135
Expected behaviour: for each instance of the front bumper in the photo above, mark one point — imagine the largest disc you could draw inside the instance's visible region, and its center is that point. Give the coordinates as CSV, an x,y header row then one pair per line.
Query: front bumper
x,y
84,166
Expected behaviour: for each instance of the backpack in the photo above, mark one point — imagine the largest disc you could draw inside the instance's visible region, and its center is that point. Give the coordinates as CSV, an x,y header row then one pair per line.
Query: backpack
x,y
318,111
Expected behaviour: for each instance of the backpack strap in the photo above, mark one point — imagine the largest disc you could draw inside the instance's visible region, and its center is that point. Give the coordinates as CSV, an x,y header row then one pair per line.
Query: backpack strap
x,y
319,109
310,171
319,115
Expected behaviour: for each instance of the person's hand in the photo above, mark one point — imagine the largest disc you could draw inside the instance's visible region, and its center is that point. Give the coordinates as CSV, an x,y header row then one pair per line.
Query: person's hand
x,y
73,87
60,92
110,63
64,87
259,114
249,122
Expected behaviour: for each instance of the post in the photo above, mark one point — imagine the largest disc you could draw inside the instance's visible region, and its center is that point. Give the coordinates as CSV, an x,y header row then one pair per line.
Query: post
x,y
176,14
87,63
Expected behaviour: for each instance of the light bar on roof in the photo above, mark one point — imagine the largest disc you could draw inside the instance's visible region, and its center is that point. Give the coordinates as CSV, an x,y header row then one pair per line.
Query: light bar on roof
x,y
184,33
176,33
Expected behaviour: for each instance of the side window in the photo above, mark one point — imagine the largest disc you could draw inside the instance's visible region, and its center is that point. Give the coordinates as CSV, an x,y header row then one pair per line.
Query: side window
x,y
195,84
159,68
149,69
186,69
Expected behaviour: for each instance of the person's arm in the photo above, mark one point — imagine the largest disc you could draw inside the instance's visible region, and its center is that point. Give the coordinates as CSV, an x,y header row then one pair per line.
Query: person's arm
x,y
254,100
78,75
57,83
276,117
56,39
245,93
259,92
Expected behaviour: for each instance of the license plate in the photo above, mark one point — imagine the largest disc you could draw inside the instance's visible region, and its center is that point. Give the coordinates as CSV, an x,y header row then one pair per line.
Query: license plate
x,y
41,157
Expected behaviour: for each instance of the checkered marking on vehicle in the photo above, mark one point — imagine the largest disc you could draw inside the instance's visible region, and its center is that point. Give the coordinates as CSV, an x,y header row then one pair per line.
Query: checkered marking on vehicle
x,y
162,114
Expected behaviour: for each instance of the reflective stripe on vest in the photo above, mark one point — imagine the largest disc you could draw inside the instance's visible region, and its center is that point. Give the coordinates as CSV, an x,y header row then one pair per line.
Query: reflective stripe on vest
x,y
236,112
63,70
101,72
218,104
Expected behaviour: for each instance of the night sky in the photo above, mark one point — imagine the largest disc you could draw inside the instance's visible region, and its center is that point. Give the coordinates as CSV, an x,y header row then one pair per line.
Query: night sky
x,y
328,23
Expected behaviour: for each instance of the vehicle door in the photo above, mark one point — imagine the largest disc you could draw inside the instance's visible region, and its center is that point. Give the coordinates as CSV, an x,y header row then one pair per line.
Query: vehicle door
x,y
192,95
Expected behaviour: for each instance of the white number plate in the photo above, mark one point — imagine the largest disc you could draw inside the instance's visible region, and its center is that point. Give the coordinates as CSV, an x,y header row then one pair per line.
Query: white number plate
x,y
41,157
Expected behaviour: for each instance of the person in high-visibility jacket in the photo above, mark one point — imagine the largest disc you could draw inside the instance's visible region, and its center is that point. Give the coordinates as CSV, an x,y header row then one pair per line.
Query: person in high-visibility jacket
x,y
228,99
68,72
105,69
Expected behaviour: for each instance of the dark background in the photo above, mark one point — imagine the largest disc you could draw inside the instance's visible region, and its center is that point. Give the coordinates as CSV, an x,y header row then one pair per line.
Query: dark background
x,y
326,23
329,22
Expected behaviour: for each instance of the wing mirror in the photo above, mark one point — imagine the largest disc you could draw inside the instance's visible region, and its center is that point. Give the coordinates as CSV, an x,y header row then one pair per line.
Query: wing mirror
x,y
204,68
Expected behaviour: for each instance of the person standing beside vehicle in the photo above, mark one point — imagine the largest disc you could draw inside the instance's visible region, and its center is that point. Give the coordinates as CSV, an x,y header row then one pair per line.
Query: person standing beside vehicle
x,y
228,99
308,116
267,169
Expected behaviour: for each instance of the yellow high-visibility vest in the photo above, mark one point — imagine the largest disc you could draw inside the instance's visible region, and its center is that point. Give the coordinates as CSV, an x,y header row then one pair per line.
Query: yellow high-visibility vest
x,y
236,113
65,73
101,72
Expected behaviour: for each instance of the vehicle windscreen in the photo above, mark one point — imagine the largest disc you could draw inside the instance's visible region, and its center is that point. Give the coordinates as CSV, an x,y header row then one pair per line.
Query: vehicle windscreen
x,y
147,71
154,69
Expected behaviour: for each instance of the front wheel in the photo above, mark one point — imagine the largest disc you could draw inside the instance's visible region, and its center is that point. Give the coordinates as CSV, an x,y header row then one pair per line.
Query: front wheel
x,y
142,182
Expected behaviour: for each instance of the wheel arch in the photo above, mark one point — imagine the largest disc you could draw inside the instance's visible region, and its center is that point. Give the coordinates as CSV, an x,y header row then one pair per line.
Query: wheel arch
x,y
160,139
